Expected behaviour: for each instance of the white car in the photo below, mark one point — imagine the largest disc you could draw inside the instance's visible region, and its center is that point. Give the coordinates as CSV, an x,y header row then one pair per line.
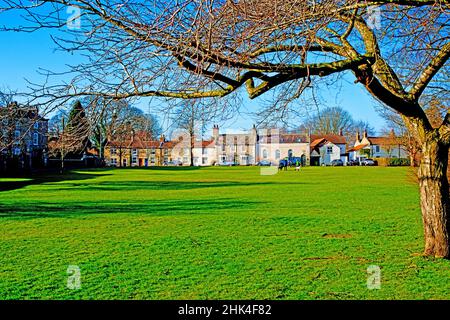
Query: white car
x,y
368,162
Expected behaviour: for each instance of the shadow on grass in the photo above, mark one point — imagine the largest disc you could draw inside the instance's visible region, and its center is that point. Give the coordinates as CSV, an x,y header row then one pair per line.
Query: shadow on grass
x,y
155,208
161,168
159,185
40,178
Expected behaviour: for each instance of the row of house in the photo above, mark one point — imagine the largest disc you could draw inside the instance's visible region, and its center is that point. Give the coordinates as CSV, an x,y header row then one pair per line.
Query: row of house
x,y
248,148
24,144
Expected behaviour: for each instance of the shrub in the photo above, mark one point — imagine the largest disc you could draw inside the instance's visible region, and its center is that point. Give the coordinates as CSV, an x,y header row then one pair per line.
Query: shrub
x,y
383,162
398,162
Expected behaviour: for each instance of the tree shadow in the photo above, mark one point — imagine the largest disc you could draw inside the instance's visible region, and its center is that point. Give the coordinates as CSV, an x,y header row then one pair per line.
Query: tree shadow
x,y
159,185
162,168
155,208
9,184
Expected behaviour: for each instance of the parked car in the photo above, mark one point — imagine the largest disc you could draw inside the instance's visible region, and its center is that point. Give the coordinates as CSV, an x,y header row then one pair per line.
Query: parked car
x,y
175,163
368,162
353,163
337,163
264,163
228,164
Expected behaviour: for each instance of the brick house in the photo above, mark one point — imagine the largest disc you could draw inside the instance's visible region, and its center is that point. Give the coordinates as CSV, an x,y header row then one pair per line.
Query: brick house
x,y
138,149
23,138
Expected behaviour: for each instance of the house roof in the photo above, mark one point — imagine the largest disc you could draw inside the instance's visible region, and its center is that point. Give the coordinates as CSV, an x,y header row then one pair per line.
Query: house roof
x,y
293,138
358,147
208,144
382,140
317,142
139,140
334,138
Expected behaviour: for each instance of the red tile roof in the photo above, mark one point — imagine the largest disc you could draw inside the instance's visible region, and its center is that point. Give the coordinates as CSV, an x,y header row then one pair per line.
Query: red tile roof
x,y
208,144
383,141
317,142
334,138
140,140
293,138
359,147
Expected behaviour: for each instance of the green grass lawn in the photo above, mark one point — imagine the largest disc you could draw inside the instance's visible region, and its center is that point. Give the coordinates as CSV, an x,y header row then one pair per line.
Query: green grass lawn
x,y
216,233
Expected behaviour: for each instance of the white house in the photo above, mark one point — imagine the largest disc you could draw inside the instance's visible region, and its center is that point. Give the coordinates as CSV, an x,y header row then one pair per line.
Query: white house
x,y
204,153
376,147
240,148
274,146
326,148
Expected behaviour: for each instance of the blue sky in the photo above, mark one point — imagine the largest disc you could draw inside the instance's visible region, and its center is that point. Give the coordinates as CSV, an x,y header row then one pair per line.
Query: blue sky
x,y
22,55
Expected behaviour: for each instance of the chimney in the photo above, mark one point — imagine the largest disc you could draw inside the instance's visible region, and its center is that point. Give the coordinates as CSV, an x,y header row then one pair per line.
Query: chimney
x,y
365,134
215,132
358,137
341,132
162,138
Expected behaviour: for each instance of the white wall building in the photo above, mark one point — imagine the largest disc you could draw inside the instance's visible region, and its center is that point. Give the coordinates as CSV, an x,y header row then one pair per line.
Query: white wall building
x,y
376,147
274,146
326,148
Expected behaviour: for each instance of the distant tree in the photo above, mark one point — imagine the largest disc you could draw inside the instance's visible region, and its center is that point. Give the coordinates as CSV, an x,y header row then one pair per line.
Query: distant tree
x,y
192,116
109,118
7,115
335,120
78,129
330,121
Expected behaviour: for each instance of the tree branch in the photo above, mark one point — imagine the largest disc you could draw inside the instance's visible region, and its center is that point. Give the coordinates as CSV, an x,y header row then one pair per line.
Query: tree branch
x,y
430,71
444,130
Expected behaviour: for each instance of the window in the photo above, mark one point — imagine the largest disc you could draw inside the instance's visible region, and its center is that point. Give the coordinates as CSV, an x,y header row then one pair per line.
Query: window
x,y
204,151
290,153
277,154
114,161
113,151
377,148
204,160
35,139
124,162
185,160
17,134
329,150
134,152
265,154
133,160
36,125
16,151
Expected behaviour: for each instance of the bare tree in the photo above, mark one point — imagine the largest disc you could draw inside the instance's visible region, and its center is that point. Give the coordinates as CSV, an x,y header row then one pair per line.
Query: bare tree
x,y
193,117
212,48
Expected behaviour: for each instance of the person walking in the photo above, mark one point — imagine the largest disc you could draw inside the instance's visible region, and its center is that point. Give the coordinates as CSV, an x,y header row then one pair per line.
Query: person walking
x,y
297,165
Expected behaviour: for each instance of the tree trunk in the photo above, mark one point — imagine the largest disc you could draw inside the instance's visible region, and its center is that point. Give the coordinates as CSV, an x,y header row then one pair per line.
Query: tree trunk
x,y
191,149
434,194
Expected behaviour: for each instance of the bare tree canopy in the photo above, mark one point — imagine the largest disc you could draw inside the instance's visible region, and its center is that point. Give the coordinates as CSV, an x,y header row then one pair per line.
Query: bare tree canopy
x,y
398,50
336,120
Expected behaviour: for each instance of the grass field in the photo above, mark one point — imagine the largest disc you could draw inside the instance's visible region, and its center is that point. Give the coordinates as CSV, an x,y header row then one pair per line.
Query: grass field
x,y
216,233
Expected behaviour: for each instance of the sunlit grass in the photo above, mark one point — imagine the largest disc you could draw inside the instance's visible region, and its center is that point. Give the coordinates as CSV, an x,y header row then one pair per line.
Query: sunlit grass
x,y
216,233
